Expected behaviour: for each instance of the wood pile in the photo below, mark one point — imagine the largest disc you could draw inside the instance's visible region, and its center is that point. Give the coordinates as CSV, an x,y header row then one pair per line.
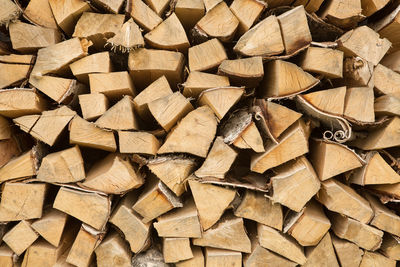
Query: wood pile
x,y
199,133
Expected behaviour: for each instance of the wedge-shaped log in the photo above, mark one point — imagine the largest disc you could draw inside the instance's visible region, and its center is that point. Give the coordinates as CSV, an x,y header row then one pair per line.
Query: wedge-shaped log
x,y
207,55
13,74
40,13
391,247
244,71
93,105
158,6
113,85
222,257
359,104
138,143
84,133
341,198
250,138
247,12
229,233
94,63
189,12
20,237
127,38
82,250
343,15
19,167
111,248
283,78
65,166
386,81
325,61
22,201
323,254
330,100
211,201
377,259
17,59
142,14
387,105
363,235
358,71
147,65
51,226
9,149
391,190
129,223
176,249
198,82
191,136
173,171
209,4
196,261
26,122
76,203
109,5
29,102
348,253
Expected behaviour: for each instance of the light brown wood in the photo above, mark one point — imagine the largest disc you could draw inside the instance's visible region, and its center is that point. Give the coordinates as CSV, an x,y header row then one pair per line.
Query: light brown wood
x,y
113,252
206,56
221,257
40,13
159,6
17,59
110,5
138,143
344,15
325,61
348,253
250,138
189,12
391,247
370,7
198,82
358,71
392,61
94,63
20,237
128,38
142,14
19,167
76,202
26,122
113,85
322,254
330,100
93,105
211,201
247,12
9,149
359,104
29,102
176,249
6,256
376,259
13,74
387,105
51,226
82,250
245,71
209,4
196,261
390,190
386,81
9,12
387,26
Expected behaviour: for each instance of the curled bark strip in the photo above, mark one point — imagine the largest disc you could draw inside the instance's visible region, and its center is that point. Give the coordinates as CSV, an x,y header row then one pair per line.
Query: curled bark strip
x,y
251,181
261,118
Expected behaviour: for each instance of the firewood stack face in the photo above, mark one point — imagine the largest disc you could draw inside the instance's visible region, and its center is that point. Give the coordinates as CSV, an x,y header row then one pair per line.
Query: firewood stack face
x,y
199,133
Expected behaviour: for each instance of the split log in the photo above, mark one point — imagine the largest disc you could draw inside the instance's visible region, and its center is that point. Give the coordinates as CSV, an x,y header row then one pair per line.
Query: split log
x,y
359,104
20,167
247,71
127,38
370,7
387,26
20,237
81,252
222,257
343,15
13,74
138,143
110,5
18,59
142,14
387,105
250,138
358,71
39,12
93,105
209,4
25,123
6,256
390,247
95,63
30,102
392,61
374,258
9,149
197,82
247,12
176,249
324,61
206,56
189,12
113,85
196,261
322,254
330,100
51,226
386,81
113,252
391,190
348,253
158,6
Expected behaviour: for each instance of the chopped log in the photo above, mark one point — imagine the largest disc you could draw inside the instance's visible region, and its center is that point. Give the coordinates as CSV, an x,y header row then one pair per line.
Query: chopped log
x,y
128,222
281,244
392,61
147,65
129,37
247,12
176,249
173,171
182,222
51,226
19,167
193,134
196,261
283,78
391,247
209,4
391,190
93,105
348,253
39,12
84,133
81,252
293,143
26,122
343,15
6,256
113,85
20,201
255,206
189,13
13,74
370,7
330,100
18,59
138,143
221,257
76,202
197,82
169,35
20,237
311,7
211,201
376,259
294,29
110,5
228,233
250,138
387,26
219,160
330,159
142,14
386,81
264,39
365,43
9,12
247,71
95,63
9,149
25,37
158,6
358,72
113,252
155,200
68,12
30,102
363,235
206,56
325,61
387,105
322,254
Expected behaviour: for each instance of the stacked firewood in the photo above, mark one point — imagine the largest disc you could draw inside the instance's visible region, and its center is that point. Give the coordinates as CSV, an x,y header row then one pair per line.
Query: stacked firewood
x,y
199,133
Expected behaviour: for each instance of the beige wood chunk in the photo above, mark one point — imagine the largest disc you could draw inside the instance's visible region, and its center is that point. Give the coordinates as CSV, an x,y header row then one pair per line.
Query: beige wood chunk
x,y
142,14
51,226
20,237
325,61
94,63
176,249
222,257
113,252
93,105
113,85
207,55
189,12
138,143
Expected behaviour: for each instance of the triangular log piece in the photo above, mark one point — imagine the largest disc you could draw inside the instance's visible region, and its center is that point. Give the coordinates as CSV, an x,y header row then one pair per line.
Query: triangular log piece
x,y
281,244
159,6
209,4
219,160
228,233
322,255
113,175
40,13
219,22
173,171
94,63
129,223
86,134
325,61
176,249
295,31
20,237
147,65
206,56
19,167
387,190
93,105
29,102
51,226
391,247
182,222
189,13
168,110
193,135
82,250
76,203
138,143
311,6
295,184
17,59
211,201
198,258
255,206
264,39
386,81
112,6
371,6
247,12
283,78
330,159
243,71
330,100
111,248
113,85
359,104
13,74
169,35
343,15
250,138
127,38
358,71
363,235
392,61
348,253
222,257
198,82
155,200
376,259
387,105
293,143
142,14
65,166
20,201
365,43
341,198
26,122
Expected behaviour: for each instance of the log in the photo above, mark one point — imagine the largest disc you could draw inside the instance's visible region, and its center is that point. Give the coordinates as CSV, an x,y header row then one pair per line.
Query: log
x,y
30,102
342,15
127,38
386,81
95,63
25,123
9,12
158,6
206,56
391,61
330,100
348,253
176,249
387,26
82,250
9,149
358,98
222,257
325,61
390,247
247,12
374,258
322,254
19,167
143,15
246,71
370,7
6,256
189,12
250,138
93,105
113,251
209,4
358,71
51,226
39,12
20,237
387,105
197,82
110,6
113,85
196,261
138,143
13,74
